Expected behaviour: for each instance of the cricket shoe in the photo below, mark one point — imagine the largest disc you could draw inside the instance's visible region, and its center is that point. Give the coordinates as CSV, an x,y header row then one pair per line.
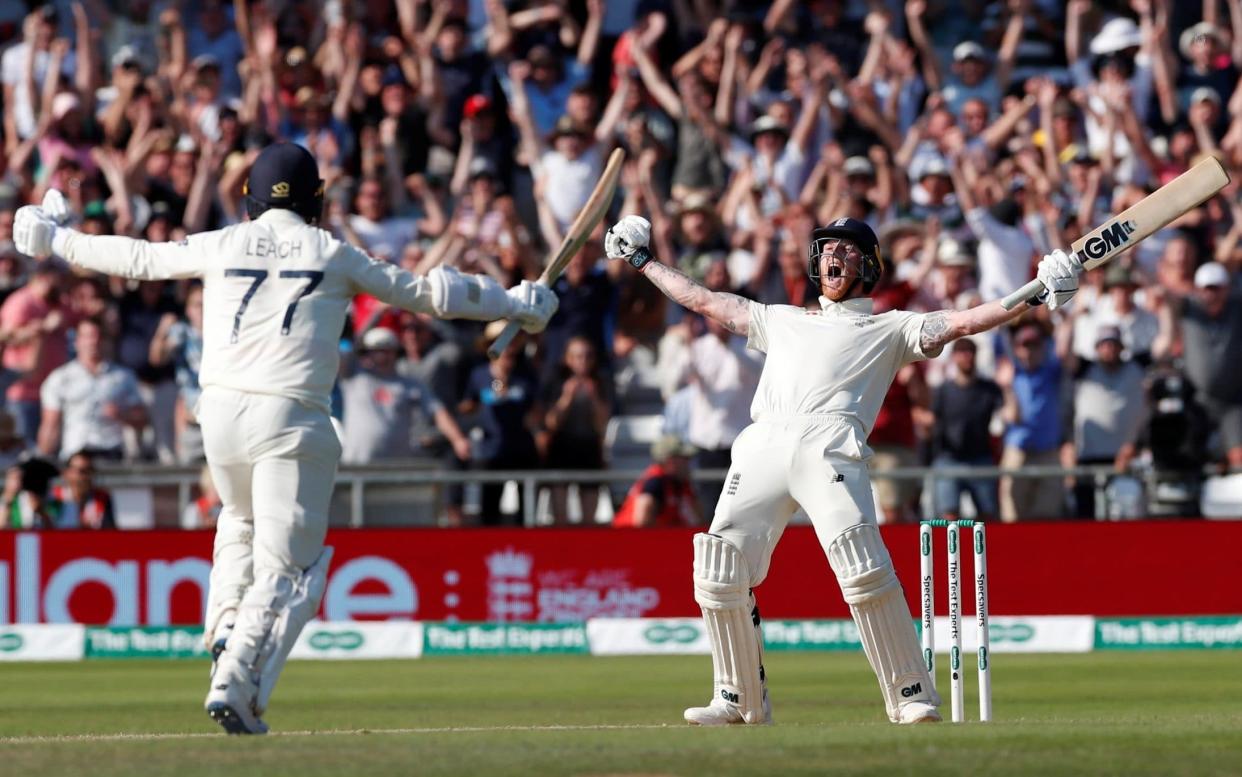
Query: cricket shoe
x,y
722,713
230,702
918,712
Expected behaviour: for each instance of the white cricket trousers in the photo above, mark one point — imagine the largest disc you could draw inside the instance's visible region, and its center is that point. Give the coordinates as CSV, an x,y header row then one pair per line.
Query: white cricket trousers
x,y
273,460
810,461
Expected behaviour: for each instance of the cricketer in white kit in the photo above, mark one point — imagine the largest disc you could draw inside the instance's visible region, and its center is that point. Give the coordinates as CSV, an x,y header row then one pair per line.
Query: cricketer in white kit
x,y
824,378
276,290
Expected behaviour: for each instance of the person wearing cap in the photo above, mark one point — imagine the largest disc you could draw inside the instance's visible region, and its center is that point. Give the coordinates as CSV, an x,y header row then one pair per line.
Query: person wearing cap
x,y
566,164
820,389
1201,46
215,35
780,164
691,233
1208,324
66,138
933,194
954,274
973,75
663,495
276,291
481,143
1109,404
1114,61
387,415
1205,116
1115,307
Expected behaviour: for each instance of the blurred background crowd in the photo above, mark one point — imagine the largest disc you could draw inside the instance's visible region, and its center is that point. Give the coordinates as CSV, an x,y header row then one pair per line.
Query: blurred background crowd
x,y
974,136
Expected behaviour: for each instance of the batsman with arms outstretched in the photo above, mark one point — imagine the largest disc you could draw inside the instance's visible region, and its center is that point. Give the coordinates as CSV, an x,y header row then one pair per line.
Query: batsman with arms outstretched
x,y
823,381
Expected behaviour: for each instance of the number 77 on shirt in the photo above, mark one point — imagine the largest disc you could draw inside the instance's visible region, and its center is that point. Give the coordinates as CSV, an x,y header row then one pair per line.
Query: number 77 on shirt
x,y
588,219
1122,232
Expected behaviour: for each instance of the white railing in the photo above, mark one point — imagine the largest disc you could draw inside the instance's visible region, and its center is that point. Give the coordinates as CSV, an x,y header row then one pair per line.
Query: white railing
x,y
410,492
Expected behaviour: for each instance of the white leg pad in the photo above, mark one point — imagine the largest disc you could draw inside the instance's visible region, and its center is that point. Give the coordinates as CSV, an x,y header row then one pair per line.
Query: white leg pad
x,y
231,575
865,572
271,617
457,295
722,589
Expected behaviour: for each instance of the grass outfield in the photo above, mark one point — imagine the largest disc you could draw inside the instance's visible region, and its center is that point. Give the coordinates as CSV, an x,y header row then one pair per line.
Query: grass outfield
x,y
1162,713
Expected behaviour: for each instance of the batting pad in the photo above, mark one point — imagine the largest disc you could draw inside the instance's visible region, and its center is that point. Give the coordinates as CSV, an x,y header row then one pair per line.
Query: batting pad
x,y
865,572
477,297
231,573
272,615
722,589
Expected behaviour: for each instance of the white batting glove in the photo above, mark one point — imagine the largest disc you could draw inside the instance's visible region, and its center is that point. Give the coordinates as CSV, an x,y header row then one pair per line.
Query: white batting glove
x,y
532,305
627,236
1059,272
33,231
56,206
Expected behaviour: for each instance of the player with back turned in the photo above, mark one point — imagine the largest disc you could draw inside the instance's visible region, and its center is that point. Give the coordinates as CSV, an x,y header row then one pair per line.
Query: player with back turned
x,y
276,290
823,380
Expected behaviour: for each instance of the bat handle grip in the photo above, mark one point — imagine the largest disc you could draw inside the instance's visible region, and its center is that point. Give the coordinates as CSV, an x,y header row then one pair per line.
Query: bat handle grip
x,y
1024,294
502,342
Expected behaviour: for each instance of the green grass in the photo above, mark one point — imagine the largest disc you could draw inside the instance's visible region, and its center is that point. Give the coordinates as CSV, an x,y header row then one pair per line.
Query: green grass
x,y
1162,713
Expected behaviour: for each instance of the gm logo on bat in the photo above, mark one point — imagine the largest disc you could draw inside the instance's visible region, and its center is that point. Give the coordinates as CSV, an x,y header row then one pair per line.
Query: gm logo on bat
x,y
1109,239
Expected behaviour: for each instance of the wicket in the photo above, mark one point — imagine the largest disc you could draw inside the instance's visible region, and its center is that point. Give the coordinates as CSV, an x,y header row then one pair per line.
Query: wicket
x,y
927,612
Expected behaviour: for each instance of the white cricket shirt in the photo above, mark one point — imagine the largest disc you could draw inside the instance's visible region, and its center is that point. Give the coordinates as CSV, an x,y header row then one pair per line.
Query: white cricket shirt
x,y
836,362
275,294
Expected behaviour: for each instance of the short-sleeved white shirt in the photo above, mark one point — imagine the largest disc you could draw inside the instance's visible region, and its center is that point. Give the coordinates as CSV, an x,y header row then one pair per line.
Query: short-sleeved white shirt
x,y
81,397
385,239
836,362
568,182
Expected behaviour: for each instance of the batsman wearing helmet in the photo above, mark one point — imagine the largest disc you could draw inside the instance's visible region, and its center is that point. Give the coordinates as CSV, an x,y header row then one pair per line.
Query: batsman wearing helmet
x,y
276,290
824,378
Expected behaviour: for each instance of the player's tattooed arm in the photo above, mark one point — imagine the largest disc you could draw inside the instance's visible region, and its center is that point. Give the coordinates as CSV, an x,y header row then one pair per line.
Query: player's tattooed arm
x,y
935,332
729,310
945,326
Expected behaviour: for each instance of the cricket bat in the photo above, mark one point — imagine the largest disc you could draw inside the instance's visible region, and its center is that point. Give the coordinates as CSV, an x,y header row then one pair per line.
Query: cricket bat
x,y
579,232
1184,193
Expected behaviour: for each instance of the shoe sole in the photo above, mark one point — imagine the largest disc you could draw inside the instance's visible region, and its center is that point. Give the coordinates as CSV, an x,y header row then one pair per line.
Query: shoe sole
x,y
228,719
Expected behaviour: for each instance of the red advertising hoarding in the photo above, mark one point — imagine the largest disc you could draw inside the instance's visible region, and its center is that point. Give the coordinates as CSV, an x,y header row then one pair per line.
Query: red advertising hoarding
x,y
160,577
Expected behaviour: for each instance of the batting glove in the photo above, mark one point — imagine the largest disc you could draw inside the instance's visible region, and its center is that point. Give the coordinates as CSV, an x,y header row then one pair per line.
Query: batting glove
x,y
33,231
532,305
56,206
627,236
1059,272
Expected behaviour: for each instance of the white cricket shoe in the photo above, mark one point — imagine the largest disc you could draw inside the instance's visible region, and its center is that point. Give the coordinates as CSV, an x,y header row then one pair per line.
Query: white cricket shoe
x,y
918,712
722,713
230,702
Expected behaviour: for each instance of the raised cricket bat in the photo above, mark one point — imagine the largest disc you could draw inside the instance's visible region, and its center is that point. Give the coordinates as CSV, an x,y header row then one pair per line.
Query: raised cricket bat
x,y
1185,192
579,232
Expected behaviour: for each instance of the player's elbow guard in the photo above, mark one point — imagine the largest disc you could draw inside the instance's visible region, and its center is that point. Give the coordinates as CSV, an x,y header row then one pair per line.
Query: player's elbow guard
x,y
478,297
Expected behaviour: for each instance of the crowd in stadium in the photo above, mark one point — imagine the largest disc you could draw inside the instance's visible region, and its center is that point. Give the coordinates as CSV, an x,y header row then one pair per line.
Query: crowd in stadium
x,y
974,137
